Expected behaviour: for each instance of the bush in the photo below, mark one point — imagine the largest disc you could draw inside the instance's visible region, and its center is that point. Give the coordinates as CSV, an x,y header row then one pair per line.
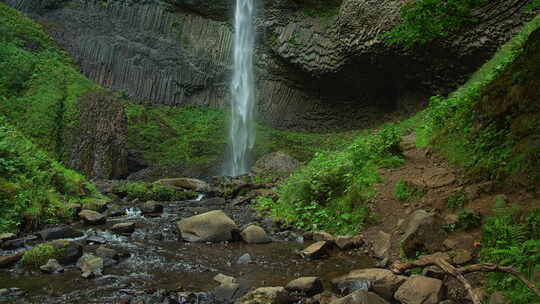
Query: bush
x,y
39,255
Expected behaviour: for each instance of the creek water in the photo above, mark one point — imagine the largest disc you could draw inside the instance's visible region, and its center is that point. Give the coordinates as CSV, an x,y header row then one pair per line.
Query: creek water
x,y
242,128
157,264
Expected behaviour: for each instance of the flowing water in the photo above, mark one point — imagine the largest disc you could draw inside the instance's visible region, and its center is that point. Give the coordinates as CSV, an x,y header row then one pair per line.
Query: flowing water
x,y
242,128
158,266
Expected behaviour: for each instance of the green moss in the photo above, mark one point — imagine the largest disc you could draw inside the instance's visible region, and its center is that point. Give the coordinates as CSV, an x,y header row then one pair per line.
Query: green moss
x,y
155,192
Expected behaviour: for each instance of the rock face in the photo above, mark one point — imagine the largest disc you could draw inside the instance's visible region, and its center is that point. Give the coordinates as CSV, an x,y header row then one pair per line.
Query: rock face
x,y
213,226
361,297
382,281
309,65
424,233
420,290
277,162
100,138
254,234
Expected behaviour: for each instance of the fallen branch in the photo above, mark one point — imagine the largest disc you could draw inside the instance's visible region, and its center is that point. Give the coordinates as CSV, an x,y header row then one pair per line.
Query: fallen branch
x,y
442,262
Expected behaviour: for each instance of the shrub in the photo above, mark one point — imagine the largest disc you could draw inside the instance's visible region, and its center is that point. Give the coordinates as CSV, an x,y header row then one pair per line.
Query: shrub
x,y
468,219
457,199
333,191
39,255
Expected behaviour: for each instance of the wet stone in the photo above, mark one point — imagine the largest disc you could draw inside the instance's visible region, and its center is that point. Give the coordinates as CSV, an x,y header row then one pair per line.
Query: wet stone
x,y
60,232
91,217
18,243
124,227
52,266
244,259
96,240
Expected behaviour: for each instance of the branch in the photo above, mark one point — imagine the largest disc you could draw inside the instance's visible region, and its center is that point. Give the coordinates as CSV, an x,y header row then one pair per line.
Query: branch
x,y
443,263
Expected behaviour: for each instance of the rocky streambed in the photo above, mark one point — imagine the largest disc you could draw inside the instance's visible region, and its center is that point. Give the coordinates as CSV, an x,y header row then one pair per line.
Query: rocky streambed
x,y
131,257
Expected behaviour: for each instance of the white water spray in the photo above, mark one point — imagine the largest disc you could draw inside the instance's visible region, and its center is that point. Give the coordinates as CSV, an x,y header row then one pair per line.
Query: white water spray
x,y
242,129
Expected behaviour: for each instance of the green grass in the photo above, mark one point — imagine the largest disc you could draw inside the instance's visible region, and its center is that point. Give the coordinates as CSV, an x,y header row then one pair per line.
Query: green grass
x,y
333,191
154,192
457,199
35,189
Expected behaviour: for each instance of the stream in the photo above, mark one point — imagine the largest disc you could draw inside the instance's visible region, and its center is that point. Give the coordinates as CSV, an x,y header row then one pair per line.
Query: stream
x,y
158,265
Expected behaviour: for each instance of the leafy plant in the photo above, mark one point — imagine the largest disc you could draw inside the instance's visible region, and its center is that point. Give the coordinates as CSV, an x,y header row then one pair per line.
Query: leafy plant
x,y
457,199
407,191
468,219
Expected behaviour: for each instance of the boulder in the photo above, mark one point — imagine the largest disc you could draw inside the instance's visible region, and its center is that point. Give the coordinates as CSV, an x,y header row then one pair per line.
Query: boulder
x,y
70,252
306,286
92,217
60,232
244,259
213,226
10,259
382,281
151,207
461,256
424,233
361,297
52,266
186,183
90,265
381,245
224,279
276,162
323,236
420,290
17,243
124,227
266,295
254,234
7,236
347,242
316,250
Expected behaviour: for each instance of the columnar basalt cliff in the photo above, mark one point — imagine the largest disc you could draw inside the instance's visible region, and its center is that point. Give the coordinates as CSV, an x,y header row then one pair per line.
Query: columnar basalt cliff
x,y
319,63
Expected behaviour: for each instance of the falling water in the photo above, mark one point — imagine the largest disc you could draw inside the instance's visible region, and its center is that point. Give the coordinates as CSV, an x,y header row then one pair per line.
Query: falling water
x,y
242,129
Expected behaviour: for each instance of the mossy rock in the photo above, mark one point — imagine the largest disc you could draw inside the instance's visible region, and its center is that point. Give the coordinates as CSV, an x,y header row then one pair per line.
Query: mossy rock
x,y
65,252
152,192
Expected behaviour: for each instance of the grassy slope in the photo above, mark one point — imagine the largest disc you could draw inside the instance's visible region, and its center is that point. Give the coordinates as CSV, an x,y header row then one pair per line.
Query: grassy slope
x,y
39,85
38,91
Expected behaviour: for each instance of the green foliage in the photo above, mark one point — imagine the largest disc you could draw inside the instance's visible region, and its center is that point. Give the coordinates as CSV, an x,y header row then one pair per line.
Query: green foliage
x,y
39,255
154,192
457,199
492,149
34,189
332,192
407,191
510,242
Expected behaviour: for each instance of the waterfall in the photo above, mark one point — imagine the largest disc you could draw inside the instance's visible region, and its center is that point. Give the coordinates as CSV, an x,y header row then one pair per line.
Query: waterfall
x,y
242,128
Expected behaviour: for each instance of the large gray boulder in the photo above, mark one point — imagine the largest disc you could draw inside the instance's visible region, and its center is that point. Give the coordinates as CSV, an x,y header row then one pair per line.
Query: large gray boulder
x,y
382,281
420,290
424,233
213,226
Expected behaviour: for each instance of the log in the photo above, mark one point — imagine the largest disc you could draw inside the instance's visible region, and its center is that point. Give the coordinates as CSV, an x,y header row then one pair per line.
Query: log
x,y
444,264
